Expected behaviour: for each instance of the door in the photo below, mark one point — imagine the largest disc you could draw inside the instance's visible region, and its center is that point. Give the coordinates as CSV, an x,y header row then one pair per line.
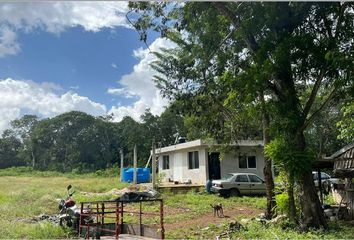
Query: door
x,y
214,165
257,185
242,184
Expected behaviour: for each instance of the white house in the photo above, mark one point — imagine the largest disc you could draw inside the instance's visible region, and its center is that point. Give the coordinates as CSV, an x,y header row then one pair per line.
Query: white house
x,y
197,161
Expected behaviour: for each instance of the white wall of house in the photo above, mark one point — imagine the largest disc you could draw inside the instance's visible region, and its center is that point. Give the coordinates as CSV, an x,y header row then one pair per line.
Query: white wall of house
x,y
178,161
230,163
179,170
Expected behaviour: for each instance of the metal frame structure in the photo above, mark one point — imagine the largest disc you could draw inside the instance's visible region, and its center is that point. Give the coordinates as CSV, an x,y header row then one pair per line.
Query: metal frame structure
x,y
107,218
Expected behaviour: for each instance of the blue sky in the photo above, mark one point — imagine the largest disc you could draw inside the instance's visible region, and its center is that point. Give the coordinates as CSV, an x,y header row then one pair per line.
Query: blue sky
x,y
62,56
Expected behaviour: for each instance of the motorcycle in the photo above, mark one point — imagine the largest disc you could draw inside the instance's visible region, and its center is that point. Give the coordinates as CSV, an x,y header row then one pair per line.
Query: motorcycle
x,y
69,213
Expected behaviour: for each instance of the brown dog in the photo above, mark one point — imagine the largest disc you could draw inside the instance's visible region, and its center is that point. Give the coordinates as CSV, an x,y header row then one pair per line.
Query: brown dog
x,y
218,210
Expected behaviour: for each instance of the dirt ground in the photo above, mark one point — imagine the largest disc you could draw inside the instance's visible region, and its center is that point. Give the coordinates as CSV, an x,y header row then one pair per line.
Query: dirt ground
x,y
204,220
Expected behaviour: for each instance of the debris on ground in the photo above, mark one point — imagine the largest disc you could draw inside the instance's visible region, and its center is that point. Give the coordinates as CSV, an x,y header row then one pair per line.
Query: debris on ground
x,y
40,218
45,217
278,219
261,219
117,192
233,226
114,191
245,220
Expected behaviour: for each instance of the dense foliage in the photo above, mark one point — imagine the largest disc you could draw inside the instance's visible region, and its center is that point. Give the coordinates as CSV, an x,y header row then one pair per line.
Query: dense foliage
x,y
291,61
76,141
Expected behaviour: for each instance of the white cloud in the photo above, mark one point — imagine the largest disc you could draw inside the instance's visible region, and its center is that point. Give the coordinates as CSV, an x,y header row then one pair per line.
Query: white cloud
x,y
140,83
19,96
7,114
8,43
113,65
121,92
56,17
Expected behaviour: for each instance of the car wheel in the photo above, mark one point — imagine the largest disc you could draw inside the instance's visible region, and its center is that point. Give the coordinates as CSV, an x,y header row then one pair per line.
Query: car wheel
x,y
234,192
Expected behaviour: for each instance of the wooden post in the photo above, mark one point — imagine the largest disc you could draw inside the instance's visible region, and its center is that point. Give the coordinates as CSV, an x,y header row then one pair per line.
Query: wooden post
x,y
319,177
135,163
153,165
140,220
121,164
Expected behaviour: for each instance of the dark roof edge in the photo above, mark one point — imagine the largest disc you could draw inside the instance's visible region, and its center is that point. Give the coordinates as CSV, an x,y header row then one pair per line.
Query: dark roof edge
x,y
342,150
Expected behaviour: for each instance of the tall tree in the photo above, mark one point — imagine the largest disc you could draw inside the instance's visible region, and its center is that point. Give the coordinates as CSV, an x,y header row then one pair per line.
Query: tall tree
x,y
346,124
22,129
10,146
275,50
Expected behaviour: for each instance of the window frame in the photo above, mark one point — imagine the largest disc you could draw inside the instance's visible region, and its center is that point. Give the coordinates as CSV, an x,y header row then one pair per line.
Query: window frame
x,y
251,175
165,159
248,180
247,158
193,160
255,162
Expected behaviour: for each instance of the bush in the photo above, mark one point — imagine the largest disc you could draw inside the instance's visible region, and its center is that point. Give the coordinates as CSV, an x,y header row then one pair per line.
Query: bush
x,y
282,201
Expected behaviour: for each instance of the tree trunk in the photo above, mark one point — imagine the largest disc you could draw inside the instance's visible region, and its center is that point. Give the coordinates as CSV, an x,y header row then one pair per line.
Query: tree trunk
x,y
290,191
33,159
310,204
267,170
313,215
268,178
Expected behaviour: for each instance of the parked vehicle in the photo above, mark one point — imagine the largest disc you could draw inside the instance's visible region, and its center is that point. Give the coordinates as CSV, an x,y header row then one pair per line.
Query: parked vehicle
x,y
236,184
69,213
326,180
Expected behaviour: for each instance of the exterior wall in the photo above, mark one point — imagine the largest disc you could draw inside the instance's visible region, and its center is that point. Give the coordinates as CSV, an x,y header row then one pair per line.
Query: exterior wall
x,y
168,173
179,166
230,163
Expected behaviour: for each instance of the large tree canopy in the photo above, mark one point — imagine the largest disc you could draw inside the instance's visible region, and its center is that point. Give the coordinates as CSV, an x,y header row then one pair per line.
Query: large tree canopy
x,y
76,141
290,59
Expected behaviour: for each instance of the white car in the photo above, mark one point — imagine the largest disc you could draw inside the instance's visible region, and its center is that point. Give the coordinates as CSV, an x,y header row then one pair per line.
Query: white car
x,y
324,177
326,180
236,184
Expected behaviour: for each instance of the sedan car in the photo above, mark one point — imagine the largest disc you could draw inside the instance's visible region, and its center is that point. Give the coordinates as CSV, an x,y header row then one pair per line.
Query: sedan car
x,y
324,178
327,181
236,184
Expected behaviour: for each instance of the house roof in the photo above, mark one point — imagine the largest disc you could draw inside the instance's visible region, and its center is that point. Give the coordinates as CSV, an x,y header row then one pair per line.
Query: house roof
x,y
342,150
335,161
203,143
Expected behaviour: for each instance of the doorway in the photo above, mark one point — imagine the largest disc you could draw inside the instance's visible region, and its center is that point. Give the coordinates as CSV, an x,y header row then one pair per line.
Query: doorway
x,y
214,165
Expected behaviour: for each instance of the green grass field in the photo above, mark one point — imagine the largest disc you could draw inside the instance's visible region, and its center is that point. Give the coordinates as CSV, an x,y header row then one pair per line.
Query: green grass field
x,y
23,197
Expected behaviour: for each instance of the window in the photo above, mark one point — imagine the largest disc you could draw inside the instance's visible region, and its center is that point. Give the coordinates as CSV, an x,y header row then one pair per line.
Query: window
x,y
323,176
165,162
252,162
241,178
247,162
254,178
242,161
193,160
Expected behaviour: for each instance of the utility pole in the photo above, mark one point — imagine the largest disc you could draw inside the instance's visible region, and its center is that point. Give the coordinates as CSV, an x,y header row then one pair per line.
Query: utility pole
x,y
121,164
135,163
153,165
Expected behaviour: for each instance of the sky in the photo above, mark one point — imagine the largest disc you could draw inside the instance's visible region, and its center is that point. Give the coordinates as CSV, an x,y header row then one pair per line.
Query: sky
x,y
57,57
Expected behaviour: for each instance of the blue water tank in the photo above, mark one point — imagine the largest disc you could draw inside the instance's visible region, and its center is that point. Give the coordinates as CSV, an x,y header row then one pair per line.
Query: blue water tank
x,y
143,175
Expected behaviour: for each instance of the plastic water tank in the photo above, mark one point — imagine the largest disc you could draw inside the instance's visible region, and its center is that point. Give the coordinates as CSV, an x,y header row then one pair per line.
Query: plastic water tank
x,y
143,175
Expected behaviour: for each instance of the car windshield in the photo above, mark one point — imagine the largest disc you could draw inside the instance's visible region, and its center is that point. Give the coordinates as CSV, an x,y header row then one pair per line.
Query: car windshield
x,y
227,177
